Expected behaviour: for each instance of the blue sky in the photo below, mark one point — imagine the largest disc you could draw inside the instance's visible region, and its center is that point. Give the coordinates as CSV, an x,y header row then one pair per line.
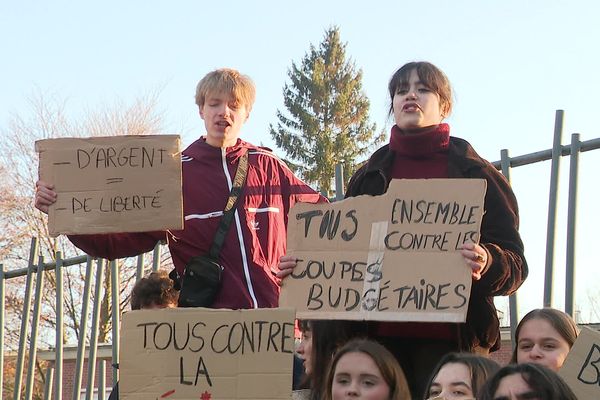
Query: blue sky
x,y
512,64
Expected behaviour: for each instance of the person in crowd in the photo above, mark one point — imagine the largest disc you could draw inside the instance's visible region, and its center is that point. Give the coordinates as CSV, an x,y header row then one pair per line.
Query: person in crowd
x,y
421,147
304,354
256,239
544,336
365,370
304,349
526,381
459,376
320,340
152,292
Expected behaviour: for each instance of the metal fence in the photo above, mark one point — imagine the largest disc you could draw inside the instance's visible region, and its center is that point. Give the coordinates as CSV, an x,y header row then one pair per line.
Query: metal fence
x,y
23,388
95,269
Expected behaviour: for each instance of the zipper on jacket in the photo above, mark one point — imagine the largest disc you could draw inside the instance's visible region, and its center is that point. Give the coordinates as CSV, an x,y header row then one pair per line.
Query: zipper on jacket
x,y
238,226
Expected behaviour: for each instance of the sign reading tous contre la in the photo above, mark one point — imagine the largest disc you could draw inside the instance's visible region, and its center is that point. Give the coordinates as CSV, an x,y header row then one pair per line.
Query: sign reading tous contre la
x,y
208,354
581,369
113,184
392,257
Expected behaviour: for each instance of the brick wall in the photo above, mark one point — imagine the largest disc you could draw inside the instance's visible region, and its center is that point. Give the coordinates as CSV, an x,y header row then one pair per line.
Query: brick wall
x,y
503,355
69,376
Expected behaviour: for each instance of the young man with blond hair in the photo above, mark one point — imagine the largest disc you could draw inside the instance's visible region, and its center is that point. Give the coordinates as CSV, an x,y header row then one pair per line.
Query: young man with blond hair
x,y
256,238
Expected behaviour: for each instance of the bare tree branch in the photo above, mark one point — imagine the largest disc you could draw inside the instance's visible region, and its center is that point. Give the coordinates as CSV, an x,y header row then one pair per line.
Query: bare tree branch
x,y
19,221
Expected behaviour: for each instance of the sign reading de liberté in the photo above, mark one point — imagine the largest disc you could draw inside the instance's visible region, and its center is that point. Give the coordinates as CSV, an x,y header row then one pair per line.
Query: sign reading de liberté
x,y
113,184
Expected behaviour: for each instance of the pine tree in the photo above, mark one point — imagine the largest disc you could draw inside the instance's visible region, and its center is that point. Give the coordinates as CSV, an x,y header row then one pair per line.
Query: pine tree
x,y
329,114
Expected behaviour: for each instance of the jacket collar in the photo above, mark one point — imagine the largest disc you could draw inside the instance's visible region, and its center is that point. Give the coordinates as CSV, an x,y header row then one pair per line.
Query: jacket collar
x,y
462,158
200,149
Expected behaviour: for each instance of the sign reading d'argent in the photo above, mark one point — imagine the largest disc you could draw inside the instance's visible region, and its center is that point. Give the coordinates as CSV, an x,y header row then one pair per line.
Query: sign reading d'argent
x,y
113,184
393,257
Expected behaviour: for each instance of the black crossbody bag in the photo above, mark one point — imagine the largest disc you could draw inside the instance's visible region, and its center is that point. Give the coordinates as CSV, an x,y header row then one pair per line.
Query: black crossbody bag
x,y
202,277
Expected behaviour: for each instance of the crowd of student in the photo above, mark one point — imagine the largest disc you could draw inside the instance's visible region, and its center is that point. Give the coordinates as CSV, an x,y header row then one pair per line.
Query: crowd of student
x,y
338,361
543,340
345,359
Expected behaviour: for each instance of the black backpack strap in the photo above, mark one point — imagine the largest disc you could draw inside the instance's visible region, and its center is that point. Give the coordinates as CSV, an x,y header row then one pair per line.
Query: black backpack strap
x,y
234,196
175,278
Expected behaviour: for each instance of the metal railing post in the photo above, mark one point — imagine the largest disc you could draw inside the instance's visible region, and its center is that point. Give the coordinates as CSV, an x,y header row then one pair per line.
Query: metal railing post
x,y
102,380
139,272
48,384
552,206
512,299
25,319
116,314
571,225
339,182
35,322
156,257
94,329
50,266
58,363
87,288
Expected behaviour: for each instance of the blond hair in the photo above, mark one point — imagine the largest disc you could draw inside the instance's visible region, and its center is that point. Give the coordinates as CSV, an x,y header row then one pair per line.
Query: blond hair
x,y
228,81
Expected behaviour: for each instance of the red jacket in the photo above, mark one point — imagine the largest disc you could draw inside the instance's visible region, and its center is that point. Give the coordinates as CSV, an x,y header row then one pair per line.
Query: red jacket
x,y
256,238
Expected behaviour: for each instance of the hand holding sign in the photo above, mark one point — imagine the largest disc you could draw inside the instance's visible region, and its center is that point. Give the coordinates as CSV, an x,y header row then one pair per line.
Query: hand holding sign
x,y
45,196
287,264
476,257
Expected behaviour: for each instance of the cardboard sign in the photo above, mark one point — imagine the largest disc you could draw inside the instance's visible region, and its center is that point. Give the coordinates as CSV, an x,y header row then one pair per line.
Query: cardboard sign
x,y
207,354
581,369
113,184
391,258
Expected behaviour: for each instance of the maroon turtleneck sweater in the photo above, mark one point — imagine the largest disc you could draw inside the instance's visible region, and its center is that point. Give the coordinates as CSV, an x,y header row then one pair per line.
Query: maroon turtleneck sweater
x,y
420,154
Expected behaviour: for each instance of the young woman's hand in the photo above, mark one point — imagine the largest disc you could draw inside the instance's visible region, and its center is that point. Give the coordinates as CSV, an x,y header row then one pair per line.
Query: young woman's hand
x,y
45,196
476,257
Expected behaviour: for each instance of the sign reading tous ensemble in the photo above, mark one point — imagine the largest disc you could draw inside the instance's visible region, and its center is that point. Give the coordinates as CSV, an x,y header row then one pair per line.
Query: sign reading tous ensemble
x,y
113,184
208,354
393,257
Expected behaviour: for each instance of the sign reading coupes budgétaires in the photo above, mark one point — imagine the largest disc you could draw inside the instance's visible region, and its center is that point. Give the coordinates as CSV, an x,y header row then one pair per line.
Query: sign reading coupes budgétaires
x,y
392,257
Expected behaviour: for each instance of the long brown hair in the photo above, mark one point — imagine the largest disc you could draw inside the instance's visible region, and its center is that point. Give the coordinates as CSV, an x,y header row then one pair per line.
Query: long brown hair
x,y
480,369
546,384
327,337
388,366
560,321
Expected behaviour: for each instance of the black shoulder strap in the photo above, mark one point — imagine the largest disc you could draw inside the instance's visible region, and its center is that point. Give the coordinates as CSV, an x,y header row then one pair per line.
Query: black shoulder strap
x,y
236,192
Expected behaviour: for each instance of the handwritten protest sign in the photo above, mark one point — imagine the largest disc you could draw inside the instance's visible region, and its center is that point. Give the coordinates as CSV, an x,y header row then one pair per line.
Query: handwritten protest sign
x,y
581,369
113,184
392,257
198,353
